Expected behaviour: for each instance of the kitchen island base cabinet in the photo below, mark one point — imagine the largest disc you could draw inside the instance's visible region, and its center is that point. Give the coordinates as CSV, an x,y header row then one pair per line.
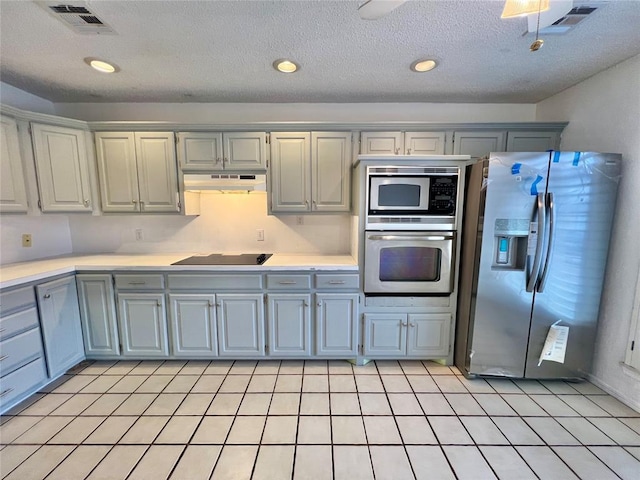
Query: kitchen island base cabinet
x,y
337,324
60,322
240,325
98,315
143,327
412,335
289,325
193,326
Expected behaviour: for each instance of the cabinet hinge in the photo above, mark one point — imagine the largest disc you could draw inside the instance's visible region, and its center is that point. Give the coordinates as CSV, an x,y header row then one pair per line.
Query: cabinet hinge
x,y
453,138
268,138
29,129
633,344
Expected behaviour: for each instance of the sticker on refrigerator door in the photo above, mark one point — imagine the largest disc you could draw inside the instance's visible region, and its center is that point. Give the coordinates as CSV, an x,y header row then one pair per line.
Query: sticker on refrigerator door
x,y
555,345
532,240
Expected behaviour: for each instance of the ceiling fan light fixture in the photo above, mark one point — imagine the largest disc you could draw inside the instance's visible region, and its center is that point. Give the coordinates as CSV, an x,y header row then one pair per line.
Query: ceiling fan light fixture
x,y
421,66
286,66
101,66
520,8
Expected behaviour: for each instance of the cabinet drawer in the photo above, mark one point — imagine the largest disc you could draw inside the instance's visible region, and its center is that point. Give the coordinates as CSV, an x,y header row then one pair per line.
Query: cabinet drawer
x,y
21,381
18,322
16,300
20,349
341,281
214,282
139,282
288,282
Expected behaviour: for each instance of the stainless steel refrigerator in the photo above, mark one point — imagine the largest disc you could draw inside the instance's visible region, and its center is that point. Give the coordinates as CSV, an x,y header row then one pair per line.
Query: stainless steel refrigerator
x,y
534,250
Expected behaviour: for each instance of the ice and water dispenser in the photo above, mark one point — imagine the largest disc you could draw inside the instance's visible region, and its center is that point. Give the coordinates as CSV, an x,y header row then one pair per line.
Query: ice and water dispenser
x,y
510,240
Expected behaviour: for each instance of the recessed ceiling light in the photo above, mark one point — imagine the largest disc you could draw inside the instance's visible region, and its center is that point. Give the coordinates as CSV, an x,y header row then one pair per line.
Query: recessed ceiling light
x,y
423,65
285,66
101,65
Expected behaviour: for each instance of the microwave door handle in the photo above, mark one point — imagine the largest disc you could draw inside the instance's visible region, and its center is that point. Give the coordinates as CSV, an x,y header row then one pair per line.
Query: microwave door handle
x,y
428,238
552,220
539,209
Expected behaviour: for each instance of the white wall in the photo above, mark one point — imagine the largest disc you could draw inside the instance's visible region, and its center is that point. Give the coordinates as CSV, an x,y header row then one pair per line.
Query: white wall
x,y
50,236
10,95
221,113
604,115
227,223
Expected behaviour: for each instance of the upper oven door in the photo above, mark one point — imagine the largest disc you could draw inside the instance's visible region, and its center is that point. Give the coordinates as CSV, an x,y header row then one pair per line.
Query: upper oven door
x,y
398,194
409,262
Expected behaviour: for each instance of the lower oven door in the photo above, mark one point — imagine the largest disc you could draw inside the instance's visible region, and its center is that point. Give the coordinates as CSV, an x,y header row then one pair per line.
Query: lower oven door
x,y
409,263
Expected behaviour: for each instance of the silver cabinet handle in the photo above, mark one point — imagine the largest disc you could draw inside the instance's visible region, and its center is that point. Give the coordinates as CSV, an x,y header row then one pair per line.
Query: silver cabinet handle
x,y
4,357
403,324
86,202
306,203
397,151
408,151
287,282
210,303
319,304
47,295
336,282
428,238
134,201
137,283
217,304
6,392
411,324
304,303
158,303
218,160
315,206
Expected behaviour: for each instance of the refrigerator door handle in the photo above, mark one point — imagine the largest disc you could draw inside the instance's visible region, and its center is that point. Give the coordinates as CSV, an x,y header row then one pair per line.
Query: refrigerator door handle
x,y
552,220
537,259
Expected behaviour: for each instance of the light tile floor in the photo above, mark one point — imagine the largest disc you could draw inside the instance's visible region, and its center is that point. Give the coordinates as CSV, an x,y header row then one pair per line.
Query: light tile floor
x,y
314,420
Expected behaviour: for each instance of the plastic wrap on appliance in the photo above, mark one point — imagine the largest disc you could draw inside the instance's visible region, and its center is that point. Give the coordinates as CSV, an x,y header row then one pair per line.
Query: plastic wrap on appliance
x,y
555,345
531,181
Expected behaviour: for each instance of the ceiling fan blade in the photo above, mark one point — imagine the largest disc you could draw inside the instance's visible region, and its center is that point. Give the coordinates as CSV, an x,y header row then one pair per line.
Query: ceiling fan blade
x,y
375,9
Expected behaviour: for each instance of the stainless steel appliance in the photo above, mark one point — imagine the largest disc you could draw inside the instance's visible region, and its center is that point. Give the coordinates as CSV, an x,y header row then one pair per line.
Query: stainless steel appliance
x,y
226,259
535,241
401,262
406,197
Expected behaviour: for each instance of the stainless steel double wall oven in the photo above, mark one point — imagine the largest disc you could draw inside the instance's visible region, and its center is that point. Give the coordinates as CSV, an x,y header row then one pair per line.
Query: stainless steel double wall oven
x,y
410,229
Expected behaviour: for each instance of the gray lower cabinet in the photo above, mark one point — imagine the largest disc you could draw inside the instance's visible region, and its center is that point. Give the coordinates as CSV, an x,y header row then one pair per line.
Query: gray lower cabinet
x,y
98,315
289,325
193,325
240,325
336,324
413,335
142,324
60,322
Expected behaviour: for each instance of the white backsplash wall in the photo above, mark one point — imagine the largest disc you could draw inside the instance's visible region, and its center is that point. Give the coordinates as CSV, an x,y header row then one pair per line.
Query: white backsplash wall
x,y
50,236
228,223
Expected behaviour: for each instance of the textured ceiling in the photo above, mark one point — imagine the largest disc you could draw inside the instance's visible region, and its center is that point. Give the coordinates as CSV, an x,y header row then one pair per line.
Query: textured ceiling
x,y
222,51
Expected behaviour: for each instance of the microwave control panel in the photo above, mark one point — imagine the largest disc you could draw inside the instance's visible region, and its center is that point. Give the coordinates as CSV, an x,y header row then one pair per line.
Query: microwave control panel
x,y
442,195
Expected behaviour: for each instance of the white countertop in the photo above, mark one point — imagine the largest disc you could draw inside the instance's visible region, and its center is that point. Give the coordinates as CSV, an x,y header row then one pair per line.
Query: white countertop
x,y
18,273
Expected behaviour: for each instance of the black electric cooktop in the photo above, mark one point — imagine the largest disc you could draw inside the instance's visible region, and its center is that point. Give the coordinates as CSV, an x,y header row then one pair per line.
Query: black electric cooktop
x,y
222,259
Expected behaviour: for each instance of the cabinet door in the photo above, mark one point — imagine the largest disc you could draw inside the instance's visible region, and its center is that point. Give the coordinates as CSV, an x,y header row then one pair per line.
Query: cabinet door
x,y
116,155
193,325
385,335
289,320
142,321
532,141
478,144
157,174
331,168
13,190
424,143
428,335
200,151
381,143
62,168
245,151
240,325
60,322
336,324
98,315
290,172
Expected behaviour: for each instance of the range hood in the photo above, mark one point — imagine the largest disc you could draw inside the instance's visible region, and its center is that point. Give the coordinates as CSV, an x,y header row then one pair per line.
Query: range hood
x,y
224,182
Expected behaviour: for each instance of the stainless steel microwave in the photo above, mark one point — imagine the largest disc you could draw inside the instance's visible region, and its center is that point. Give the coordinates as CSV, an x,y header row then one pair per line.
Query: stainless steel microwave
x,y
411,198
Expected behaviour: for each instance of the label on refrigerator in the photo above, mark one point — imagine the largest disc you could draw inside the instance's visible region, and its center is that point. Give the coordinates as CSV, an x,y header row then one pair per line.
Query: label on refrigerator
x,y
533,238
555,345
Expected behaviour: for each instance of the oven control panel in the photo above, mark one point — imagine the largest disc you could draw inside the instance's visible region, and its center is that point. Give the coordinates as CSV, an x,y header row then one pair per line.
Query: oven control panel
x,y
442,194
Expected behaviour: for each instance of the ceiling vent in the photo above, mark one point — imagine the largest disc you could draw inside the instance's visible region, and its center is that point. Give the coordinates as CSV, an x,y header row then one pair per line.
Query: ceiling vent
x,y
78,17
567,22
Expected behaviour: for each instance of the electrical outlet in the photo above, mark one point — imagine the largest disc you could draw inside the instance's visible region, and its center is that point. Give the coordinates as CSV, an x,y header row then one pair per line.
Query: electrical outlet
x,y
260,235
139,234
299,220
26,239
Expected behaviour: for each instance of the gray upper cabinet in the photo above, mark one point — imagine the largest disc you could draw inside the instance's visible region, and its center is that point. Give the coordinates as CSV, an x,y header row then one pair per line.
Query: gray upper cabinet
x,y
532,141
137,172
60,321
98,315
289,325
62,168
336,324
216,151
310,172
402,143
142,324
193,325
240,325
478,144
13,191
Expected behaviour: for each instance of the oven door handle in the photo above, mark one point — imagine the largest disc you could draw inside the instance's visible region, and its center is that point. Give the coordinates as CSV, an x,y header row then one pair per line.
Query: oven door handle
x,y
429,238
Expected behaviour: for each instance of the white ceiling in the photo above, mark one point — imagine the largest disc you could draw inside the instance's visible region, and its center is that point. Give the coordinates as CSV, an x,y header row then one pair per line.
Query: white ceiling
x,y
222,51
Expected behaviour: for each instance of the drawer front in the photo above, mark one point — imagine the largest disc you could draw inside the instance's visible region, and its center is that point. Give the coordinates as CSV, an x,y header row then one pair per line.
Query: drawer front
x,y
18,299
139,282
19,350
215,282
289,282
18,322
339,281
21,381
